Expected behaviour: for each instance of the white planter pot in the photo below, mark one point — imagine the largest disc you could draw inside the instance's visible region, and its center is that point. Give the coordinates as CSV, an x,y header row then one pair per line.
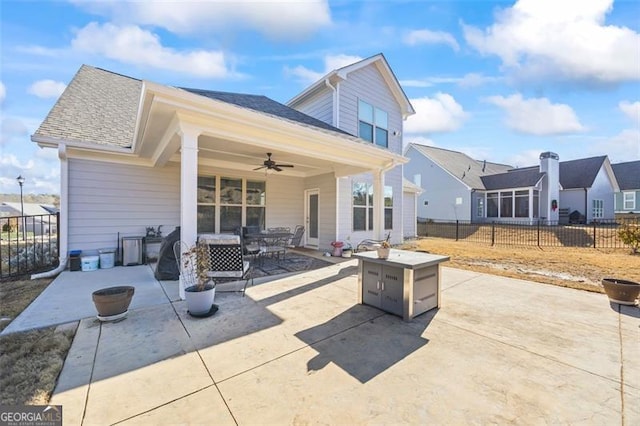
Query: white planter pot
x,y
199,302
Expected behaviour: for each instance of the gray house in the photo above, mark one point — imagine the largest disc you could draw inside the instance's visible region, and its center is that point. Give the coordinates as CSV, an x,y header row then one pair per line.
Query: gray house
x,y
627,199
457,187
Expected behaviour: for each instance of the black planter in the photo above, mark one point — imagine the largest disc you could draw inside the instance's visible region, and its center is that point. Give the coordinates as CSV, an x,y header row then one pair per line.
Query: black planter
x,y
621,291
112,301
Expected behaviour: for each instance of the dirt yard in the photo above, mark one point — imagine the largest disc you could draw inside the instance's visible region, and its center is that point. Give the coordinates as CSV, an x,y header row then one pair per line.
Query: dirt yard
x,y
580,268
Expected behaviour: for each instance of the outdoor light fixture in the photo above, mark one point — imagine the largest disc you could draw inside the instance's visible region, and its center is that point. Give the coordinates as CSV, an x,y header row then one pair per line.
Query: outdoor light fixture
x,y
20,180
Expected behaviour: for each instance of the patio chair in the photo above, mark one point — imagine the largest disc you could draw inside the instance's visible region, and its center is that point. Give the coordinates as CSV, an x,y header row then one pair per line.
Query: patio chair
x,y
227,260
296,240
370,244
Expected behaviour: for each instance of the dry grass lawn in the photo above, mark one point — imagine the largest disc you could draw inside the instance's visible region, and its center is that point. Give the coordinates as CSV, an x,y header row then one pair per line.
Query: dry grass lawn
x,y
30,362
580,268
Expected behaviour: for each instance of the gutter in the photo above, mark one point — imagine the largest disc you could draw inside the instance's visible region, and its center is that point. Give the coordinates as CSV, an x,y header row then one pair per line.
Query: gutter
x,y
336,102
64,215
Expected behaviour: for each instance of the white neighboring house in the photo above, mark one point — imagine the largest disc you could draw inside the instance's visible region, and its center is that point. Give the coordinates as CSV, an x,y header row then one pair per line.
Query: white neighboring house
x,y
135,153
457,187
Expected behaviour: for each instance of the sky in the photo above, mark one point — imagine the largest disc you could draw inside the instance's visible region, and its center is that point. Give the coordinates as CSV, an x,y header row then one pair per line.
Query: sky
x,y
500,81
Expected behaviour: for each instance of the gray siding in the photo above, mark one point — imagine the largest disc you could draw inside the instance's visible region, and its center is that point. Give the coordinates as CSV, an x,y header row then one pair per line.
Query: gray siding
x,y
319,106
602,189
106,199
572,199
441,190
327,200
367,84
409,219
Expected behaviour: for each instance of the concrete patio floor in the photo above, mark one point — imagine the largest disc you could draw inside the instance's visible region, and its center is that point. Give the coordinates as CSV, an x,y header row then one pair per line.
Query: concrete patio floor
x,y
299,350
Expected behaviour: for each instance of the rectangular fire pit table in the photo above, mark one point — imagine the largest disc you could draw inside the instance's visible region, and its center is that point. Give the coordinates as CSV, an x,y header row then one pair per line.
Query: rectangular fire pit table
x,y
406,284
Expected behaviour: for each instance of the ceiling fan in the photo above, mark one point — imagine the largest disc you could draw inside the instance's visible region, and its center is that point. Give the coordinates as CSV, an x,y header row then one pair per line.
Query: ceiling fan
x,y
269,164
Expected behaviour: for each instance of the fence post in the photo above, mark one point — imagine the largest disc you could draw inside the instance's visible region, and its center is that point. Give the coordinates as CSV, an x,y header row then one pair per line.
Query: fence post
x,y
493,233
456,230
538,233
594,234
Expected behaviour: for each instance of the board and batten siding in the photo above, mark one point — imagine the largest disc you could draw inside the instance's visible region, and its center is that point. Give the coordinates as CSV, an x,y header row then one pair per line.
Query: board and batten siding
x,y
368,85
319,106
326,184
106,199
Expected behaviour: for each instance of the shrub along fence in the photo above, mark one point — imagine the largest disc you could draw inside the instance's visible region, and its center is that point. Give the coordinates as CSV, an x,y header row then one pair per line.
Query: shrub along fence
x,y
28,244
602,234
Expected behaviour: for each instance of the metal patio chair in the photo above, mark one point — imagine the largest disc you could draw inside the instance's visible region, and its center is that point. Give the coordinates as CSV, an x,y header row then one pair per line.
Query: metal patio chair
x,y
227,260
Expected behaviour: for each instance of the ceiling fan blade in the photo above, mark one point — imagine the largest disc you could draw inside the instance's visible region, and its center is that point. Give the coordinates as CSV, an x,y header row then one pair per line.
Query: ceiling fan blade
x,y
258,168
285,165
277,169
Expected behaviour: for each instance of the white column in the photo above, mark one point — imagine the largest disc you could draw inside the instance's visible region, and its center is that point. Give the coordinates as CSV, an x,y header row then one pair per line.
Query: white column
x,y
188,189
378,204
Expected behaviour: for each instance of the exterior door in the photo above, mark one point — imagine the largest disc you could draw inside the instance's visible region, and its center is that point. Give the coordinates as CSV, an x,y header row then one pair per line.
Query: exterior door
x,y
311,212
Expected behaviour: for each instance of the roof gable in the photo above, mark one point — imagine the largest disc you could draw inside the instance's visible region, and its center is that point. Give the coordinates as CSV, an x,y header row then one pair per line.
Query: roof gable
x,y
343,73
580,173
627,175
461,166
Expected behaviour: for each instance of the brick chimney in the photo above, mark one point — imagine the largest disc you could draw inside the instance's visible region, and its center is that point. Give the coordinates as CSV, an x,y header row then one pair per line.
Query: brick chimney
x,y
550,166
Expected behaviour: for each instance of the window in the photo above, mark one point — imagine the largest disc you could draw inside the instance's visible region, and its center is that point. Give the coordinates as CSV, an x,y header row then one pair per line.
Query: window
x,y
598,209
388,207
506,204
522,203
629,200
206,204
362,206
480,210
536,203
492,204
234,201
373,124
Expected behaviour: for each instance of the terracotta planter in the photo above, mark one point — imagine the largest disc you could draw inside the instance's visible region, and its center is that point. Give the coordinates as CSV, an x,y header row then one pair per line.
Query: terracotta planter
x,y
199,302
383,253
621,291
112,301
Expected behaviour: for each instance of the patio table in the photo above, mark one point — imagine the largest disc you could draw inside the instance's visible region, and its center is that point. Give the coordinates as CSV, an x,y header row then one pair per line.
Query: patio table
x,y
271,242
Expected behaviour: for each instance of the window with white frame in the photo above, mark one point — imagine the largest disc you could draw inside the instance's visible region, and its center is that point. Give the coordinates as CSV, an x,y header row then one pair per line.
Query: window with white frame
x,y
388,207
522,203
598,209
480,209
362,206
506,204
492,204
629,200
235,201
373,124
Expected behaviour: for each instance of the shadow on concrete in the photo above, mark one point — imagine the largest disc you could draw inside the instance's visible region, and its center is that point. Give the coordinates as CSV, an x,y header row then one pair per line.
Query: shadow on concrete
x,y
368,349
629,310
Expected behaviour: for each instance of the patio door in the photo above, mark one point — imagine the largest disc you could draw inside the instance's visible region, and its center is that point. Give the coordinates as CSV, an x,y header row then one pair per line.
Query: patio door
x,y
311,213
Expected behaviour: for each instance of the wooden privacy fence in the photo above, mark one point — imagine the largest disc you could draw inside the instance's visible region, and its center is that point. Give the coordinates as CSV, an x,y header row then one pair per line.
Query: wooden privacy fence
x,y
602,234
28,244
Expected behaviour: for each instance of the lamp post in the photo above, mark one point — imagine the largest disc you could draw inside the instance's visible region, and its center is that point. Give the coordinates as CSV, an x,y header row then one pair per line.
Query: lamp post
x,y
20,180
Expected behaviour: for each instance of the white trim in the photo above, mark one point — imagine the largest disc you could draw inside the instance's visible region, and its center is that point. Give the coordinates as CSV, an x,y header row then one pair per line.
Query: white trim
x,y
633,200
308,192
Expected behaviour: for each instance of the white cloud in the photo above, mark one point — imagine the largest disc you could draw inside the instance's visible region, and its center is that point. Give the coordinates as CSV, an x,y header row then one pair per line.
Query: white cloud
x,y
276,19
13,130
41,173
625,146
525,158
430,37
434,115
631,110
331,63
566,40
47,88
3,92
468,80
133,45
537,116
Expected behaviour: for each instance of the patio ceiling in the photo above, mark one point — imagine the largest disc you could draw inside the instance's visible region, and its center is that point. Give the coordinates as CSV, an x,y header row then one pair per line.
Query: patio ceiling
x,y
238,138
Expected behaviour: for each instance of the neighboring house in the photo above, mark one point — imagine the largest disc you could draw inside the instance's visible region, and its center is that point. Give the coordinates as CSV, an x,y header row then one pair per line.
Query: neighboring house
x,y
627,199
457,187
136,153
411,192
39,222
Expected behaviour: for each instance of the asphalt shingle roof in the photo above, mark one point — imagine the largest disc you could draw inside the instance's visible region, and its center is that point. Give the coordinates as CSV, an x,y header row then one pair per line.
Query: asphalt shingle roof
x,y
580,173
267,105
98,106
517,178
462,166
627,175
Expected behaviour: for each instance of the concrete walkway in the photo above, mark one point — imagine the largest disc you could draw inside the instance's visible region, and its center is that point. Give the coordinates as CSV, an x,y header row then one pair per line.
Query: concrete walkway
x,y
299,350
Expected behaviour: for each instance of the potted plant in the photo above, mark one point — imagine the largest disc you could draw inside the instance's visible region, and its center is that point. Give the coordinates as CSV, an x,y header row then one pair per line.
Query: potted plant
x,y
383,250
200,290
112,303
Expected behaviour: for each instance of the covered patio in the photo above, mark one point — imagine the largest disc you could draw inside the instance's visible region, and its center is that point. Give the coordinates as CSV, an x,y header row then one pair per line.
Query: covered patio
x,y
301,350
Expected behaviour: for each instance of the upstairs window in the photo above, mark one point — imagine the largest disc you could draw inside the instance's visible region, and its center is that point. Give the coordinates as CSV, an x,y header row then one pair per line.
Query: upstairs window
x,y
373,124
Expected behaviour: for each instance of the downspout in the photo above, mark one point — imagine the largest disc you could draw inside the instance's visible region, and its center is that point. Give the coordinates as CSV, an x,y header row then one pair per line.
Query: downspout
x,y
586,205
336,102
64,215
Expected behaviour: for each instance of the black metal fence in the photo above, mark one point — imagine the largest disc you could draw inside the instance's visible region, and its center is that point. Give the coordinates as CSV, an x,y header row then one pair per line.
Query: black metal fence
x,y
28,244
601,234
